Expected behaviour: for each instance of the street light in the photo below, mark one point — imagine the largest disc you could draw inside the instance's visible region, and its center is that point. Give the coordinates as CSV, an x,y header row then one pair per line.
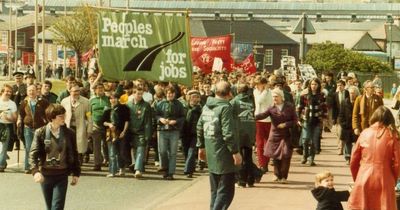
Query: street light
x,y
390,21
13,5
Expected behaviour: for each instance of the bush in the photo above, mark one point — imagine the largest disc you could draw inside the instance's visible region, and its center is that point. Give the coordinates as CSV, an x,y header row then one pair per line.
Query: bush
x,y
331,56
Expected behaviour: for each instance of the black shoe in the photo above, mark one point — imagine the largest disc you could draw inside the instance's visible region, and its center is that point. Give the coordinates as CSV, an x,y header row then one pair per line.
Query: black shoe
x,y
304,161
299,151
264,169
169,177
312,163
162,169
1,170
132,168
97,168
86,159
28,171
250,185
189,175
327,130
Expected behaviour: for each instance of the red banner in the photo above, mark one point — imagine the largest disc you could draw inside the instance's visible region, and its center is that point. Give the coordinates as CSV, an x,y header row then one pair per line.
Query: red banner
x,y
247,65
205,49
28,58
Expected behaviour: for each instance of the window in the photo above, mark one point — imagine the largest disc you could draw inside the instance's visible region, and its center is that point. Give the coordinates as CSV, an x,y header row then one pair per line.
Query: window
x,y
284,52
268,57
21,39
4,38
49,48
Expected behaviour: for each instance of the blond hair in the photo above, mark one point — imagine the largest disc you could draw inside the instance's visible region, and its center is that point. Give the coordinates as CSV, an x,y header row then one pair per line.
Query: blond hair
x,y
321,176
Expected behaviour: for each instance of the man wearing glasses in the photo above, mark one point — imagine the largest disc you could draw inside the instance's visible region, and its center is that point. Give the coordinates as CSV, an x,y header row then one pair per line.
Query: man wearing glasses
x,y
364,106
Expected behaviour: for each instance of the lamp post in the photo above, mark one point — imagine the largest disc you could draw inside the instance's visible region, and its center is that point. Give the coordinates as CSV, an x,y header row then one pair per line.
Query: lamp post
x,y
64,48
9,43
42,75
13,5
390,21
36,47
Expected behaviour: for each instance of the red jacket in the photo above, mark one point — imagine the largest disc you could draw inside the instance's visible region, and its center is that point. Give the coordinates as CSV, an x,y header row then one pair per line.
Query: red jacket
x,y
375,168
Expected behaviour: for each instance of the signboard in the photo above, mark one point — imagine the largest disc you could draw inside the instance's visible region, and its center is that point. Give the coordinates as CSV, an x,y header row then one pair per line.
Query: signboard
x,y
144,45
205,49
307,72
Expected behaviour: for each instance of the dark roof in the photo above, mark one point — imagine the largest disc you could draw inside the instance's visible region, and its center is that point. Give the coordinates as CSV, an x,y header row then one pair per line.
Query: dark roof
x,y
246,31
366,43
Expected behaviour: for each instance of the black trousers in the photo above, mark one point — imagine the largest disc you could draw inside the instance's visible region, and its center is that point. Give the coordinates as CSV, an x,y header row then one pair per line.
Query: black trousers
x,y
246,175
281,168
222,190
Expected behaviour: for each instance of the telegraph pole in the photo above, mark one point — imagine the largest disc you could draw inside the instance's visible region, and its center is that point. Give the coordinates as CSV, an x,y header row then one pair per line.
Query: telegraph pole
x,y
43,43
36,62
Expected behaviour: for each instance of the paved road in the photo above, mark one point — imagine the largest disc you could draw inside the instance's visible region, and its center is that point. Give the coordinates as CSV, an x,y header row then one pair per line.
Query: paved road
x,y
94,191
295,195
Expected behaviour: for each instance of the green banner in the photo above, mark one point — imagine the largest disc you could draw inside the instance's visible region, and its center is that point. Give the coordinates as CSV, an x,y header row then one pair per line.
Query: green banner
x,y
145,45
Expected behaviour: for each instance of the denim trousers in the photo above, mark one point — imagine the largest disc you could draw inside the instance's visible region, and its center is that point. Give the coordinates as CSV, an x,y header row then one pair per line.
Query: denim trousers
x,y
54,189
28,135
114,156
139,158
310,136
348,146
167,148
3,150
190,151
222,190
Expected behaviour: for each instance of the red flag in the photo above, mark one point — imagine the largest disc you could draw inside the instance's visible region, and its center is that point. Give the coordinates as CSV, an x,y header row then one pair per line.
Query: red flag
x,y
205,49
87,55
248,65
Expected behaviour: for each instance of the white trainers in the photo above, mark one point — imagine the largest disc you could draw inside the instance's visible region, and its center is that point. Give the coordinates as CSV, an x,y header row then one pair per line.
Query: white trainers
x,y
110,175
121,172
156,163
138,174
283,181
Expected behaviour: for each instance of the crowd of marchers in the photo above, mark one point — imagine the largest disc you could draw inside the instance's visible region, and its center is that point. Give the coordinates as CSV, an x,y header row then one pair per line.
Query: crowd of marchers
x,y
217,123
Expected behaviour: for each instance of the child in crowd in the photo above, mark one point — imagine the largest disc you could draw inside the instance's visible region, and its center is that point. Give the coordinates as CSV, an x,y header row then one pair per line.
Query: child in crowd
x,y
394,90
325,194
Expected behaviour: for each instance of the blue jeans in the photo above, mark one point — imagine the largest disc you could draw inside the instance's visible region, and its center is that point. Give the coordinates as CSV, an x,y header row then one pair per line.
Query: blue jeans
x,y
222,190
348,146
3,150
28,135
113,155
310,136
167,148
54,189
190,163
140,152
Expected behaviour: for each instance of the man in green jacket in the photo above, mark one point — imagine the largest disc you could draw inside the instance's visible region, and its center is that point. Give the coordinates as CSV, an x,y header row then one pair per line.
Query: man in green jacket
x,y
98,104
215,139
140,126
245,132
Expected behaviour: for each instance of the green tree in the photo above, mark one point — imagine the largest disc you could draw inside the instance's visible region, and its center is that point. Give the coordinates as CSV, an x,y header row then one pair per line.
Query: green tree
x,y
333,57
77,32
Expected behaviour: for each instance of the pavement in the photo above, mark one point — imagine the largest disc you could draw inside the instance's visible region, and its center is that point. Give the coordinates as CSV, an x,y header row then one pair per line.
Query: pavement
x,y
295,195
